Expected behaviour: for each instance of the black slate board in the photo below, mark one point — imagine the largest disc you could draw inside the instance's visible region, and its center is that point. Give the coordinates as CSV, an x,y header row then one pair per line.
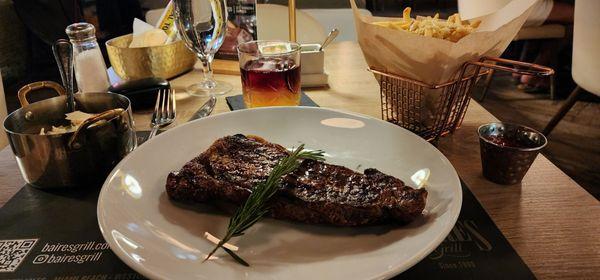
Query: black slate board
x,y
62,228
43,234
474,249
236,102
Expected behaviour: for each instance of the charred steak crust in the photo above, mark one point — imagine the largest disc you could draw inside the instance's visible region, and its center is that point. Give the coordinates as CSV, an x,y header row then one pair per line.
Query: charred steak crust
x,y
316,193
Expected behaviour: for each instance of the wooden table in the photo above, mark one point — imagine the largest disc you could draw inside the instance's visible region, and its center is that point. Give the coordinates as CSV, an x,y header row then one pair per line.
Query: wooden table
x,y
552,222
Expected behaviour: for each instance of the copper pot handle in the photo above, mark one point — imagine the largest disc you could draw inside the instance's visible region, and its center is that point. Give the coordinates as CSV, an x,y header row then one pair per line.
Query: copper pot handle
x,y
104,116
25,90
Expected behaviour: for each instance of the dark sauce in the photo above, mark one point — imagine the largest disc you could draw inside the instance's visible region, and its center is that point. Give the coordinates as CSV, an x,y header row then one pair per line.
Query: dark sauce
x,y
513,142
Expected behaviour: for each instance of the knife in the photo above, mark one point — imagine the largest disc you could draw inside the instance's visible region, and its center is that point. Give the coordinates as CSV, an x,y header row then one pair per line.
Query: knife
x,y
206,109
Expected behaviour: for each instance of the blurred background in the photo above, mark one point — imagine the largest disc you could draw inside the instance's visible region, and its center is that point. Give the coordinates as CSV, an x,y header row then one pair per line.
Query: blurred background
x,y
29,27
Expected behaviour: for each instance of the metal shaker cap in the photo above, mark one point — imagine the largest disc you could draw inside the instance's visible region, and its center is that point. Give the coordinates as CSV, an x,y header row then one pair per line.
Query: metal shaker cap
x,y
81,31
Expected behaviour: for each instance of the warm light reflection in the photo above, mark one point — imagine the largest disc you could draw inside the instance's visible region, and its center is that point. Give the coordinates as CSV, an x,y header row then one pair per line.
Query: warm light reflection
x,y
120,238
127,245
133,226
343,123
421,177
180,254
169,239
137,257
128,183
131,186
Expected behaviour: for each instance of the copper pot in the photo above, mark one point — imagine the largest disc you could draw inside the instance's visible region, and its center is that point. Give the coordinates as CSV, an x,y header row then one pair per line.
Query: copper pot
x,y
75,159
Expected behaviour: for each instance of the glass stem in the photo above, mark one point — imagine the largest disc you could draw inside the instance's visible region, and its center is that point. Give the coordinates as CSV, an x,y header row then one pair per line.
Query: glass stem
x,y
207,71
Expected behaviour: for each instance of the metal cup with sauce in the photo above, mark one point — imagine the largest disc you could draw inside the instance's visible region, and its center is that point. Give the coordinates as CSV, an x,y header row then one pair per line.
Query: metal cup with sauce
x,y
508,150
81,158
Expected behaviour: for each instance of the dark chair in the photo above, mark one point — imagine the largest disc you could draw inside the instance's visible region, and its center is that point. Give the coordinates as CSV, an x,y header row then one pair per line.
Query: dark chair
x,y
586,57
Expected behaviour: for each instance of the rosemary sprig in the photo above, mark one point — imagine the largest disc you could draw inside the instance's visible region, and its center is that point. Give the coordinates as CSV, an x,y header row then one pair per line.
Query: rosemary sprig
x,y
255,206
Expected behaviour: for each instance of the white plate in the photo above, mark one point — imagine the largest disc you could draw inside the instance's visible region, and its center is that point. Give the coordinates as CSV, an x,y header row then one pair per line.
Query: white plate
x,y
163,240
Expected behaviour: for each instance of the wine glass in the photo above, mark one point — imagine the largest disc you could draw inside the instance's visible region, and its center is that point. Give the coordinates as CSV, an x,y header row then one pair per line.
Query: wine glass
x,y
202,25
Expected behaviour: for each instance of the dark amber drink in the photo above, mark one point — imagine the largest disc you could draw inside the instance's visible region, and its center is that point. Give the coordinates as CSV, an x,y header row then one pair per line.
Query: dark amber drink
x,y
264,83
270,73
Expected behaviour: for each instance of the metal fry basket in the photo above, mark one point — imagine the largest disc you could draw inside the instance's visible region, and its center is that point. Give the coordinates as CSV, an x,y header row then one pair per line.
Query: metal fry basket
x,y
432,111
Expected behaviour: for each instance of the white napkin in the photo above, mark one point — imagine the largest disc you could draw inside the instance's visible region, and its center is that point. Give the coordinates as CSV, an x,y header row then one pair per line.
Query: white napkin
x,y
146,35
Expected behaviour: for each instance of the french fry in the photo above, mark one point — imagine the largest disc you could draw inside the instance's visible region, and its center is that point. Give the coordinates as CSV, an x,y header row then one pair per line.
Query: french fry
x,y
452,29
406,14
475,23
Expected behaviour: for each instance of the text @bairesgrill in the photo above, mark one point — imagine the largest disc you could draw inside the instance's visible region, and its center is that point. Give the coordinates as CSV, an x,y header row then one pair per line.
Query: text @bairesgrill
x,y
79,253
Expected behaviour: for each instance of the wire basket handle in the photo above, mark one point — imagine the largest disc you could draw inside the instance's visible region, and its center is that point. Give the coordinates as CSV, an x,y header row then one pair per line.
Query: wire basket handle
x,y
513,66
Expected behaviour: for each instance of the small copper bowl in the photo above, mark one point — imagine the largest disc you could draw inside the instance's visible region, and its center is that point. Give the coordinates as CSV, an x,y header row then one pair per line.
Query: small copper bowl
x,y
165,61
508,150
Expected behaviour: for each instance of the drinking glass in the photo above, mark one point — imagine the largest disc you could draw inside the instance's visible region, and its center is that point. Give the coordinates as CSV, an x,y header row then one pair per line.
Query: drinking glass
x,y
202,25
270,73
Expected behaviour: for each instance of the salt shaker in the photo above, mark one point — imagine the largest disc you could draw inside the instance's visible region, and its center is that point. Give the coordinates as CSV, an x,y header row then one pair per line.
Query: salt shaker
x,y
90,69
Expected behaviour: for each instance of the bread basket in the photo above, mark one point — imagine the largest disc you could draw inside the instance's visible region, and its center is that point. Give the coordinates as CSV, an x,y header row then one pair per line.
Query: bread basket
x,y
165,61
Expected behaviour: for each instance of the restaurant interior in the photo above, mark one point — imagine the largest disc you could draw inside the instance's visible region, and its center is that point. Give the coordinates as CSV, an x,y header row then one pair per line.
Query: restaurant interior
x,y
300,139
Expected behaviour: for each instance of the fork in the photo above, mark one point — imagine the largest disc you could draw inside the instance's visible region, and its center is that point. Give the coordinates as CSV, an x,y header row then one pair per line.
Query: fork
x,y
164,111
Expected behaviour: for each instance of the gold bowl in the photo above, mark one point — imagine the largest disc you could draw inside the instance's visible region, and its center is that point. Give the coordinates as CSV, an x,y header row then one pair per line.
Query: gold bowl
x,y
165,61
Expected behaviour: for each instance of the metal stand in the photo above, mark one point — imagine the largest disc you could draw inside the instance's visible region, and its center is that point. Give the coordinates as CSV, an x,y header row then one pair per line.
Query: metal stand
x,y
431,111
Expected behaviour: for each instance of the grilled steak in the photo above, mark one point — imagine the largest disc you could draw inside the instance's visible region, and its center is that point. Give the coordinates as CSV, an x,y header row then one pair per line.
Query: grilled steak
x,y
316,192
